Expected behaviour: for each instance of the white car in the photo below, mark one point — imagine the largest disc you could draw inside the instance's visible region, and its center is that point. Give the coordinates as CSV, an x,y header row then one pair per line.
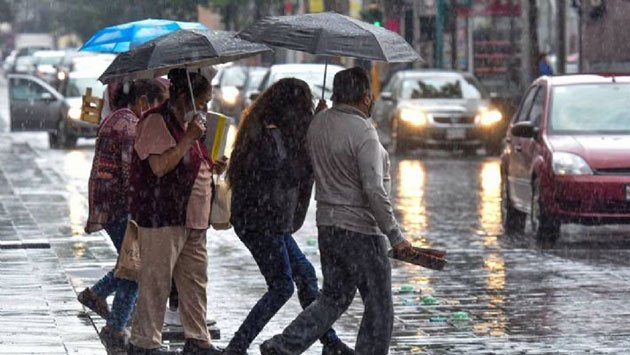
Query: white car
x,y
312,74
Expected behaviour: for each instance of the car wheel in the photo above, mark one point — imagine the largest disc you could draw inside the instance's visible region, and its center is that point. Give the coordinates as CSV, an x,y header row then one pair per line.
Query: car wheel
x,y
62,138
545,227
513,219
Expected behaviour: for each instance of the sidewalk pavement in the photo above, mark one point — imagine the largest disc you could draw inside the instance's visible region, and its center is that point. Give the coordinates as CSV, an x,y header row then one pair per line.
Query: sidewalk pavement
x,y
39,312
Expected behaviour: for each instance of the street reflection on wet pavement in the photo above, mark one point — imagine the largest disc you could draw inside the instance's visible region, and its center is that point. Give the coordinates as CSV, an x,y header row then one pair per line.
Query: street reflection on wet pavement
x,y
498,294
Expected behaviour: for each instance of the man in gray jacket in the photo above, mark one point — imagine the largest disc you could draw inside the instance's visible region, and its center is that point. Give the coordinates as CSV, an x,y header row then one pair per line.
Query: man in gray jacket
x,y
354,215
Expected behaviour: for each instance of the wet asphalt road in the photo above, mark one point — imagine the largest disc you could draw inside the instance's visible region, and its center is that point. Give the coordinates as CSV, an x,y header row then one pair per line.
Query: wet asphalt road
x,y
520,298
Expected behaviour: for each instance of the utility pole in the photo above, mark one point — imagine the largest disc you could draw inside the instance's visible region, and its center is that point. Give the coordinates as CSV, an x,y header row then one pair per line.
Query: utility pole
x,y
562,31
439,34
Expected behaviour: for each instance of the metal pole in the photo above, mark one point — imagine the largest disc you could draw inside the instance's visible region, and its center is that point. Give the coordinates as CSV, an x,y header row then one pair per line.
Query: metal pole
x,y
580,57
439,34
562,29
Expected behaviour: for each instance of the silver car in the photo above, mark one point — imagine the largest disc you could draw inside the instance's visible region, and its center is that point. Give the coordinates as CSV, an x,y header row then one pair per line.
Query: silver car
x,y
438,109
36,106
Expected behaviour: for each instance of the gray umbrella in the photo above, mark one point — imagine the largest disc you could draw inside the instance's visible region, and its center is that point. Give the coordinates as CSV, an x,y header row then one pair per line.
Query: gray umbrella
x,y
180,49
331,34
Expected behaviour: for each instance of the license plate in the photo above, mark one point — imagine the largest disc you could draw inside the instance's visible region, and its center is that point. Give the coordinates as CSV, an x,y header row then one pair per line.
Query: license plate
x,y
627,192
456,133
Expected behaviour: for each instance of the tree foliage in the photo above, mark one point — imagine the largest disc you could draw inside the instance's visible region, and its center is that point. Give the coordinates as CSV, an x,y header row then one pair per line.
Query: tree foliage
x,y
85,17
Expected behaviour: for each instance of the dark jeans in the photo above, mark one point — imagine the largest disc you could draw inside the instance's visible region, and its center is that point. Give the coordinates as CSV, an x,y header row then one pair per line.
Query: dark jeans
x,y
350,261
126,291
281,262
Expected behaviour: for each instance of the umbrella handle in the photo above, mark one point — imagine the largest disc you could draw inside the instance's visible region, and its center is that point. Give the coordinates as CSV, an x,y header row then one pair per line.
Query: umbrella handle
x,y
325,74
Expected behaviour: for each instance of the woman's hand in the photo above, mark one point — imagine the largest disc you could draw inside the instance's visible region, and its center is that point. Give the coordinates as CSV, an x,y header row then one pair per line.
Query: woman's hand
x,y
218,167
321,105
195,129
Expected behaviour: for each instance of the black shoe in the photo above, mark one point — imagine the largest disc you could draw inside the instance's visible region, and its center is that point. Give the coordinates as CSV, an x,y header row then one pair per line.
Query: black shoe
x,y
232,351
337,348
199,347
267,349
136,350
114,340
89,299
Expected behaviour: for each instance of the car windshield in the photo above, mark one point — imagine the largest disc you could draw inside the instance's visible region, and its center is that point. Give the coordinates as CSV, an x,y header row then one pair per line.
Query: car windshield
x,y
441,87
49,60
234,76
255,77
590,108
76,87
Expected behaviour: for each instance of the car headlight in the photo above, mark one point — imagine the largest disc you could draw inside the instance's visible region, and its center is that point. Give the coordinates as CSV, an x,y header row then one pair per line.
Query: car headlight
x,y
61,76
74,113
415,117
570,164
489,117
229,94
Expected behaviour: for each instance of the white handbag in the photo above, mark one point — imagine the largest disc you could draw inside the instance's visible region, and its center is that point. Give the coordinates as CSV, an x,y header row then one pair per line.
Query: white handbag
x,y
221,205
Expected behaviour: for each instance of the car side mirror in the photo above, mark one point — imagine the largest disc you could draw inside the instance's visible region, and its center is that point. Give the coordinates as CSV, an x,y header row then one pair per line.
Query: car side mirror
x,y
387,96
254,95
524,130
48,97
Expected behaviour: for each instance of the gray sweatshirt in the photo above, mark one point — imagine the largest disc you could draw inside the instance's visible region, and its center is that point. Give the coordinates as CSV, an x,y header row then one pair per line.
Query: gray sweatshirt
x,y
351,174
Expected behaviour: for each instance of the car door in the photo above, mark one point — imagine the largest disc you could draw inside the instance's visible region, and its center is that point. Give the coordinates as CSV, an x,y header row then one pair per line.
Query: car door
x,y
386,103
34,105
518,170
530,147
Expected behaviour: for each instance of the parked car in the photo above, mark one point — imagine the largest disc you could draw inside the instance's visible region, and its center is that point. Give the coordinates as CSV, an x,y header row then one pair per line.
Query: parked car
x,y
23,65
37,106
567,155
439,109
255,76
75,61
312,74
230,88
46,64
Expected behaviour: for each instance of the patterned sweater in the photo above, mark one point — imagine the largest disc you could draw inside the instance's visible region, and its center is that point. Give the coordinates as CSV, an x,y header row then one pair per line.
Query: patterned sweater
x,y
109,180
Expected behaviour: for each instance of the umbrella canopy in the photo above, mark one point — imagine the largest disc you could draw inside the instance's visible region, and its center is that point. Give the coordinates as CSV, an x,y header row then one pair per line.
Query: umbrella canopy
x,y
331,34
121,38
180,49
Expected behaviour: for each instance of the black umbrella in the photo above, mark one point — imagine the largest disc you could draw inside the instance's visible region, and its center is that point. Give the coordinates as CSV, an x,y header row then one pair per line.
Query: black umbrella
x,y
331,34
180,49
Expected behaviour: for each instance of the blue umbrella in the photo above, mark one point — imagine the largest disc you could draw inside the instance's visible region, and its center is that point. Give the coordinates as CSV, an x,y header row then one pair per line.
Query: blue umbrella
x,y
121,38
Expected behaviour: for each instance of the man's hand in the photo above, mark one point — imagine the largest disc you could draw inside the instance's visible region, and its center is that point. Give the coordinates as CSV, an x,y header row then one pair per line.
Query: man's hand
x,y
321,105
403,249
219,165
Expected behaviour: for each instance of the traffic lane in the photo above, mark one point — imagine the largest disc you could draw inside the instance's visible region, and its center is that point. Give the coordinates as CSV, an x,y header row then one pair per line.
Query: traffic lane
x,y
566,298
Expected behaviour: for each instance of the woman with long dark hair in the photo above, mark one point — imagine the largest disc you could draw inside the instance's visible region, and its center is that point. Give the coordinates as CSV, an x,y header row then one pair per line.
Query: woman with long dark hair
x,y
271,180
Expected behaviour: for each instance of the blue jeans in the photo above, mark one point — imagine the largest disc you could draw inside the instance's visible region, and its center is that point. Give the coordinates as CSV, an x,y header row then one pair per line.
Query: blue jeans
x,y
282,263
126,290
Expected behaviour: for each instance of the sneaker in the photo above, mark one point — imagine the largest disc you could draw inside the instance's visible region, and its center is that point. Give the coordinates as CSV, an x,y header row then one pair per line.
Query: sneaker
x,y
267,349
114,340
136,350
90,300
199,347
337,348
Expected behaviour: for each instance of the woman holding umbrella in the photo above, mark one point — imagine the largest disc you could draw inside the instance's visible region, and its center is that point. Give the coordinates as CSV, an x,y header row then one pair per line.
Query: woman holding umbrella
x,y
108,191
271,180
171,178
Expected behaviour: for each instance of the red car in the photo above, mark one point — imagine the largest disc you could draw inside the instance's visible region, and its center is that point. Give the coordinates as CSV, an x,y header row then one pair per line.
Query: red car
x,y
567,155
